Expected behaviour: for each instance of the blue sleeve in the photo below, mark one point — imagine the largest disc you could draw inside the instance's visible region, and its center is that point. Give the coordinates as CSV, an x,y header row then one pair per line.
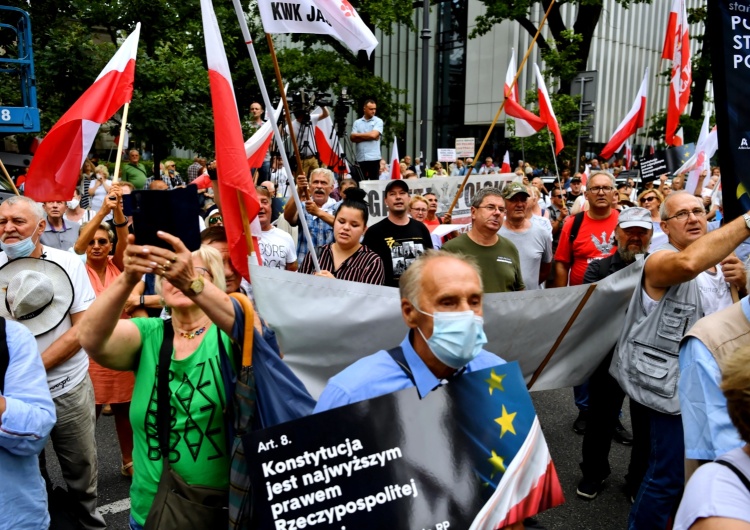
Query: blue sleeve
x,y
332,397
709,432
30,413
379,126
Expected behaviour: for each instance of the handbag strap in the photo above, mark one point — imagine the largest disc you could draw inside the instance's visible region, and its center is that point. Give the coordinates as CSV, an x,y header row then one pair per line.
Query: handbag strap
x,y
740,474
247,342
162,389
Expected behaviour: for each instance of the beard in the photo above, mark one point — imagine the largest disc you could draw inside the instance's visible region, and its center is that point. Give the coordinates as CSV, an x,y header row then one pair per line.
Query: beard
x,y
627,255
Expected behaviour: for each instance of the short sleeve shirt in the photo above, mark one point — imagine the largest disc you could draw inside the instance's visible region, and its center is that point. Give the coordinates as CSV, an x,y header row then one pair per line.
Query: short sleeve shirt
x,y
277,248
595,240
369,150
397,245
500,263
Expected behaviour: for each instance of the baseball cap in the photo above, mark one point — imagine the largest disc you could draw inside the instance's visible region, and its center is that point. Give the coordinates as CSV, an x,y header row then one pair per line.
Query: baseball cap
x,y
635,216
396,183
513,189
576,179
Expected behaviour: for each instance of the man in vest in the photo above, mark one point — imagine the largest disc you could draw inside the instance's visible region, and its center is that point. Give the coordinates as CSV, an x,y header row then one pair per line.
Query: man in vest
x,y
683,280
709,432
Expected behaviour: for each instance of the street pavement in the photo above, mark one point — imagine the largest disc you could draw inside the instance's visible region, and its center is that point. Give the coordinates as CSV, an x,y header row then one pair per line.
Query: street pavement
x,y
556,410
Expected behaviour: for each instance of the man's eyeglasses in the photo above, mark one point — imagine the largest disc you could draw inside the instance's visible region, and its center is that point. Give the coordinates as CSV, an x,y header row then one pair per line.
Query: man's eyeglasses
x,y
100,242
215,219
683,215
492,209
600,189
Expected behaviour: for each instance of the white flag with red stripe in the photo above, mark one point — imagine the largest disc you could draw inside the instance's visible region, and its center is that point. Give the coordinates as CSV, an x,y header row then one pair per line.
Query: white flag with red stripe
x,y
56,166
336,18
235,182
679,138
633,121
585,174
330,151
705,148
395,164
258,144
506,164
545,111
677,49
527,123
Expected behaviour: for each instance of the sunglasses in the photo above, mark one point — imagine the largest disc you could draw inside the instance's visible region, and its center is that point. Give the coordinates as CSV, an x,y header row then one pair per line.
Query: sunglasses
x,y
215,219
100,242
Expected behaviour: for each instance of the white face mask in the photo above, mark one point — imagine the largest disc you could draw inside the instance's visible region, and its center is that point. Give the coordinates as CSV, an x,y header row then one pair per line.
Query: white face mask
x,y
72,205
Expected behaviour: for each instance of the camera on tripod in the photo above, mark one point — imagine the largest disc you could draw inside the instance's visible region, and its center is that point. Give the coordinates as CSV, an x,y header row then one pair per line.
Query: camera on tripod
x,y
302,102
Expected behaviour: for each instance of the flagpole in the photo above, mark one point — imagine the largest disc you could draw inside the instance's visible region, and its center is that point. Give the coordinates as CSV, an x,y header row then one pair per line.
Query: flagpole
x,y
246,224
272,118
500,110
121,142
10,180
288,114
554,158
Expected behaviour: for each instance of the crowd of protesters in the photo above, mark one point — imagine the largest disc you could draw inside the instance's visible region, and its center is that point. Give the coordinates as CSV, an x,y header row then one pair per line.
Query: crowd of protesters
x,y
576,228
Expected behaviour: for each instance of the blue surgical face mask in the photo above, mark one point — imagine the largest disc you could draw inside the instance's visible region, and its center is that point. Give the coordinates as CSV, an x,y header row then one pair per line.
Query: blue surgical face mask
x,y
457,337
21,249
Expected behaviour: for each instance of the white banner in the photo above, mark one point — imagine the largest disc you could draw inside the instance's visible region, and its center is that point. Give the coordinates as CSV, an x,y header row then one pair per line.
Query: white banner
x,y
359,319
336,18
444,187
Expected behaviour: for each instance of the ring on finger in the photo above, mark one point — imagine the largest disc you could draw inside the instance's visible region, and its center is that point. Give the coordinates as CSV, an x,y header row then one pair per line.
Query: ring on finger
x,y
173,259
166,266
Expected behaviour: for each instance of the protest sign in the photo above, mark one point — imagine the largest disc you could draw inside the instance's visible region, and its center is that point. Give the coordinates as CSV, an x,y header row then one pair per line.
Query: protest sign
x,y
446,155
391,462
729,22
465,147
444,188
652,166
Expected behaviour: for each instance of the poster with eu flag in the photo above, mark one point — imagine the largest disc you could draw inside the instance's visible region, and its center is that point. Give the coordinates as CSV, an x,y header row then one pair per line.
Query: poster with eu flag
x,y
470,455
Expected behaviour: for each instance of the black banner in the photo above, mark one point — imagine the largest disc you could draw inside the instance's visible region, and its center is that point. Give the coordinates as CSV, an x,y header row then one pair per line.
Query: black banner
x,y
399,462
652,166
729,25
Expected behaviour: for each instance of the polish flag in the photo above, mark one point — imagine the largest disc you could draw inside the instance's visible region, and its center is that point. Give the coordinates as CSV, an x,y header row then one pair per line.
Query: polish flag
x,y
679,138
330,154
628,154
527,123
633,120
677,49
585,175
234,180
54,171
505,168
258,144
395,165
545,111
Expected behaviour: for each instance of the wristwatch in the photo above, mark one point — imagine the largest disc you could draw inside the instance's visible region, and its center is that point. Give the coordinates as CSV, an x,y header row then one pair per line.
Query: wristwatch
x,y
746,217
196,286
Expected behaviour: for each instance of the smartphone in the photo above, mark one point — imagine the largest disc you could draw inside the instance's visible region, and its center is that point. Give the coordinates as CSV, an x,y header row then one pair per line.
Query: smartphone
x,y
172,211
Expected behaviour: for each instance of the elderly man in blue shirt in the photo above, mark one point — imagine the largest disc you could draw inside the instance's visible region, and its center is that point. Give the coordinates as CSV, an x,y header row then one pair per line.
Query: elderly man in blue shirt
x,y
27,415
708,431
441,303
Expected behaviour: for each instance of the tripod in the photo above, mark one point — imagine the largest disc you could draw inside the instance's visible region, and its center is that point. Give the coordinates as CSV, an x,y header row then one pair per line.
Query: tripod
x,y
339,159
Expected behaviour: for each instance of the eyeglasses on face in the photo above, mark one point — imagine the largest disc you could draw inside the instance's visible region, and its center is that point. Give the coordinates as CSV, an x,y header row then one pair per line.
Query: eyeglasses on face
x,y
215,219
648,199
101,242
601,189
419,210
683,215
492,209
559,195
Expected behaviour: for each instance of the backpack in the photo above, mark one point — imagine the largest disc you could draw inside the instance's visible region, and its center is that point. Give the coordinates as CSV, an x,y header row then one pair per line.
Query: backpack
x,y
577,222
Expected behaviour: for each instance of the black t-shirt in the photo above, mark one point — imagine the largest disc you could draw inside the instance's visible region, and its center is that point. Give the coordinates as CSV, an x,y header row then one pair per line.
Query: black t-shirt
x,y
398,246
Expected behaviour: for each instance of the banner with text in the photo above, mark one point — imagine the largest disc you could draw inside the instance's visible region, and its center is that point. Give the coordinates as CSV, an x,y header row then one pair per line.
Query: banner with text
x,y
468,455
729,22
445,188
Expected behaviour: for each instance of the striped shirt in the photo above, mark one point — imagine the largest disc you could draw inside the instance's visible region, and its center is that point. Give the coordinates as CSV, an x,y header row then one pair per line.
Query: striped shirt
x,y
363,266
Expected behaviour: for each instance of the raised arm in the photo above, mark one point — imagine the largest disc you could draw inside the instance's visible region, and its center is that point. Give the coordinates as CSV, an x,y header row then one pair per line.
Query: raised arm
x,y
88,231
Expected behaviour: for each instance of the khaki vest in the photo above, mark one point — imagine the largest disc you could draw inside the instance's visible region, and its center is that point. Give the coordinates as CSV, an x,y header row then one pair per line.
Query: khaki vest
x,y
722,333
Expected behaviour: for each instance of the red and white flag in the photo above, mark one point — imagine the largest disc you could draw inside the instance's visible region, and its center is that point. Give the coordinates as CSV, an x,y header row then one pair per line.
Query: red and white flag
x,y
395,164
705,148
527,123
677,49
56,166
585,174
633,121
546,113
235,182
505,168
257,145
330,151
336,18
679,138
628,154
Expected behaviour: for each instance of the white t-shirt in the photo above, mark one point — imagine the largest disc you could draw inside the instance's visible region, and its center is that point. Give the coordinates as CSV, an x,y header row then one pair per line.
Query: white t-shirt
x,y
715,491
277,248
66,376
715,292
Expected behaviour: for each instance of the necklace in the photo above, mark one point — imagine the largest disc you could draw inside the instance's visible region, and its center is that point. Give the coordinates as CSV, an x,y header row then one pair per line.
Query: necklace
x,y
192,334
